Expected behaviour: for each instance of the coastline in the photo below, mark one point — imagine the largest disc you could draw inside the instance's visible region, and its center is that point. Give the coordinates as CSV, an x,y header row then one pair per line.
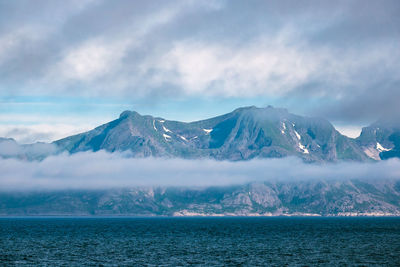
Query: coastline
x,y
208,215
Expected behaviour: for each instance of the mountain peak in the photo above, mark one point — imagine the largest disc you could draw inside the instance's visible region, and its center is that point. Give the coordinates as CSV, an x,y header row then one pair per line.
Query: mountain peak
x,y
128,113
269,107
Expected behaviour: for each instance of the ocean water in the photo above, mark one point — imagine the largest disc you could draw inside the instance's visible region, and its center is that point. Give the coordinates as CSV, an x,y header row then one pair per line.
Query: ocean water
x,y
200,241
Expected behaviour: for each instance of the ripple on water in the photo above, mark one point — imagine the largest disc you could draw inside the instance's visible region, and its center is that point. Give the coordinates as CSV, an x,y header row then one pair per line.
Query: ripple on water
x,y
200,241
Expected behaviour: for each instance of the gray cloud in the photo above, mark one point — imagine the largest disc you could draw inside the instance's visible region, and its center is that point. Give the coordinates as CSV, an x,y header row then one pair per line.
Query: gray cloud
x,y
103,170
336,58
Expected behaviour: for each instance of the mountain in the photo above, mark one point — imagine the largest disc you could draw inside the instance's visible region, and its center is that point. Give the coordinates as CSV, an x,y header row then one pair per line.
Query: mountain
x,y
323,197
381,140
243,134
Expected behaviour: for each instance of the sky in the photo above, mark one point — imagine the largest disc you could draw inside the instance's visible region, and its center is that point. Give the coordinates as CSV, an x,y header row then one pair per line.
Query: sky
x,y
68,66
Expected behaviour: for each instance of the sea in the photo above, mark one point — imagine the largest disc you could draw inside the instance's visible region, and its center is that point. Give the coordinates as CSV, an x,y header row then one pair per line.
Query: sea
x,y
198,241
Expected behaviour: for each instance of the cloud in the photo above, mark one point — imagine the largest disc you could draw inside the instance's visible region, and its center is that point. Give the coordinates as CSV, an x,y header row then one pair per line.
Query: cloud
x,y
338,59
41,132
9,148
90,60
350,131
262,67
103,170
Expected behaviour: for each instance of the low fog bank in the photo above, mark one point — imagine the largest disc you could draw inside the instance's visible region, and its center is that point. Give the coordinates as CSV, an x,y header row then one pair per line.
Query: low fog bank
x,y
9,148
102,170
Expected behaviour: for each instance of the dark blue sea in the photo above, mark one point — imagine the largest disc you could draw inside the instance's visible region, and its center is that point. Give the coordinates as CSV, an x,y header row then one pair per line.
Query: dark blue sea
x,y
199,241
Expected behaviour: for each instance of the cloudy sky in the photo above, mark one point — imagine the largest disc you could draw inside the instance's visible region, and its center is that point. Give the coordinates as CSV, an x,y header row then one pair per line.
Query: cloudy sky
x,y
67,66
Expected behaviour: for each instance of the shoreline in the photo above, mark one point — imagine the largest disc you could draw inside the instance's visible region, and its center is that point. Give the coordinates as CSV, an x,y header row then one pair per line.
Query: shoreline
x,y
361,215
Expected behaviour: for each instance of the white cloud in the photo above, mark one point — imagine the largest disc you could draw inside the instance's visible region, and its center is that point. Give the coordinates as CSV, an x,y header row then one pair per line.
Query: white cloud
x,y
9,148
302,55
98,61
350,131
259,68
90,60
103,170
46,127
27,134
268,66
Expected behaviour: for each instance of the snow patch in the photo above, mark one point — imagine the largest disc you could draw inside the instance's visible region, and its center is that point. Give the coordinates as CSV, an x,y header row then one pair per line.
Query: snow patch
x,y
380,148
183,138
283,128
207,131
303,149
154,125
162,121
166,137
166,130
297,135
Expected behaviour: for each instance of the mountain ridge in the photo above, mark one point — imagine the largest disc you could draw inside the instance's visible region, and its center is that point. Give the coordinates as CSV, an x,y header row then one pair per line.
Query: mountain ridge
x,y
245,133
242,134
290,198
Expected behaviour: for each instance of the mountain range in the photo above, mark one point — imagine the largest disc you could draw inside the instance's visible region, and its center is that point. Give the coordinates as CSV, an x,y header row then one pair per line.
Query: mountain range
x,y
290,198
242,134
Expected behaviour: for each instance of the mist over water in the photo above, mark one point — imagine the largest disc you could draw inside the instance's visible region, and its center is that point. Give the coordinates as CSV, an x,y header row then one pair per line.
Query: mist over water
x,y
102,170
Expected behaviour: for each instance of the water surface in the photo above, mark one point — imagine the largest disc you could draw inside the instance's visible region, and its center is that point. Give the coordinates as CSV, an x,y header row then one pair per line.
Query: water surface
x,y
199,241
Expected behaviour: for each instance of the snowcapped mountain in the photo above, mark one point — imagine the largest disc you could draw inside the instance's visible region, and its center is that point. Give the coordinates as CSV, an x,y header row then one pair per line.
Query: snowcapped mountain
x,y
381,140
243,134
